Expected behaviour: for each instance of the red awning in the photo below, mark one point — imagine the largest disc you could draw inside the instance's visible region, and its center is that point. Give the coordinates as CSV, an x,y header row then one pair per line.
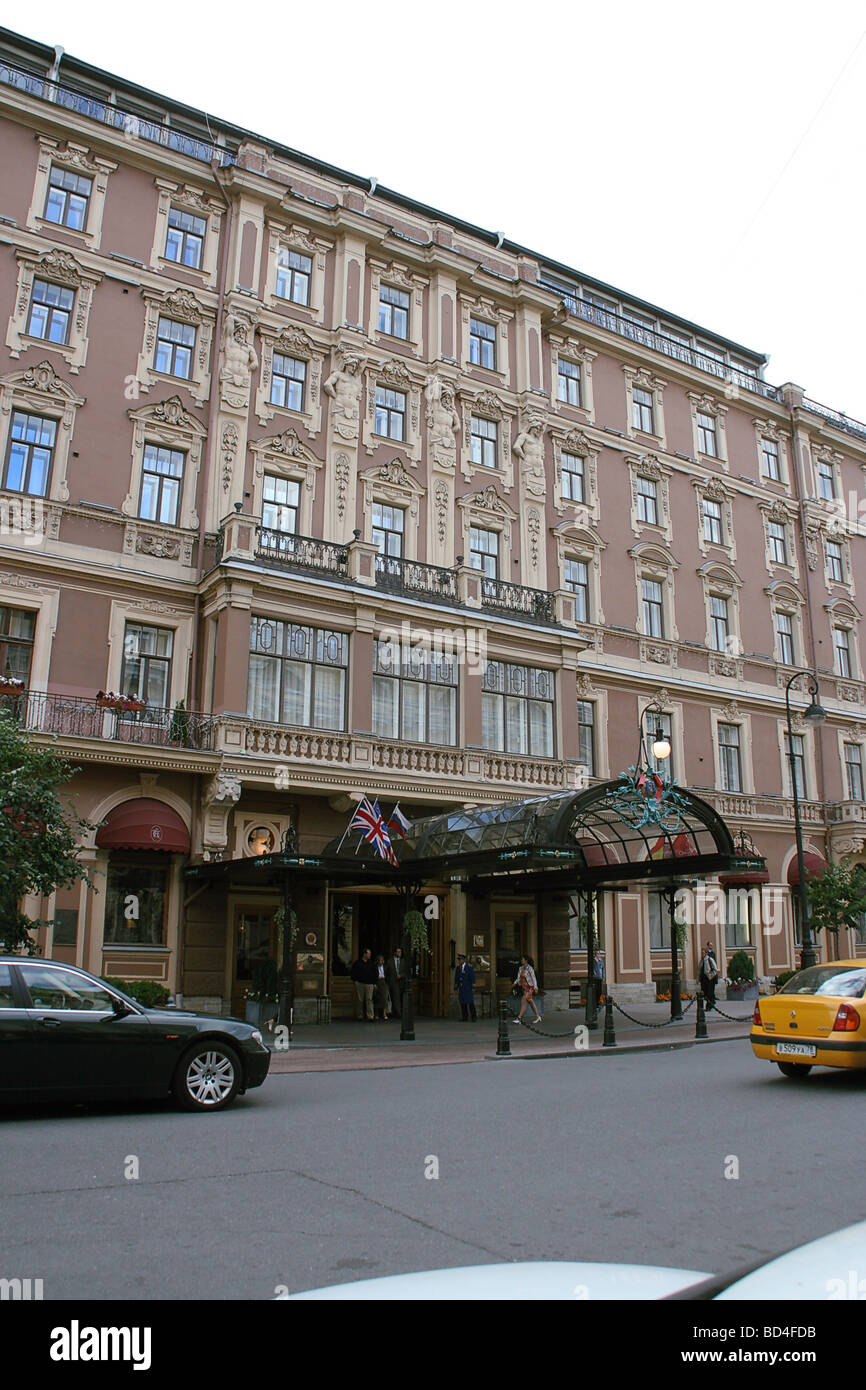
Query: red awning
x,y
814,865
144,824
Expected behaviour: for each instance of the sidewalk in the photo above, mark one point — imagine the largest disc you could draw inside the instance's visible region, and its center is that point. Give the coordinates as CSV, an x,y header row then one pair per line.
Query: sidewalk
x,y
349,1046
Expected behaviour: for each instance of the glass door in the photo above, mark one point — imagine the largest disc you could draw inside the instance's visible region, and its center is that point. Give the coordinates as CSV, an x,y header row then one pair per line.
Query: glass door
x,y
255,941
510,945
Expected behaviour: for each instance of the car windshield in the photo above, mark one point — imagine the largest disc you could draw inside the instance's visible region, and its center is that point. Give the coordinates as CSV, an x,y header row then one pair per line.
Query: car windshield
x,y
842,982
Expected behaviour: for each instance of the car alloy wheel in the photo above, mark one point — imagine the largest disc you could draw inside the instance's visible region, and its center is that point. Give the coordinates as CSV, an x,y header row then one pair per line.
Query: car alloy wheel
x,y
793,1069
208,1077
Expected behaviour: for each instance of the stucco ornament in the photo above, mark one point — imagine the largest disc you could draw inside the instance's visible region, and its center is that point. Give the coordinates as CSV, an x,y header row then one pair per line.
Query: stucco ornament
x,y
529,447
240,360
344,388
442,421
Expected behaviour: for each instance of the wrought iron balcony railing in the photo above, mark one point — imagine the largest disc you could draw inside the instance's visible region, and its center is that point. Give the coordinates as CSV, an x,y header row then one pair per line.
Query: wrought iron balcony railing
x,y
94,106
74,716
400,576
302,552
503,597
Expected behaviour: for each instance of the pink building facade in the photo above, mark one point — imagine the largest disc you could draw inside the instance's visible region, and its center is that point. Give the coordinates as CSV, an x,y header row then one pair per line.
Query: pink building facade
x,y
354,498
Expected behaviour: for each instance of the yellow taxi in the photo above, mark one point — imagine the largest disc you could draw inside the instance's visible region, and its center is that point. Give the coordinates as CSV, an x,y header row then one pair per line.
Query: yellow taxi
x,y
818,1019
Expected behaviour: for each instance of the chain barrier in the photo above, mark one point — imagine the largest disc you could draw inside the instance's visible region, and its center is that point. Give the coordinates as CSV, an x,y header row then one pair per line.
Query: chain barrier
x,y
732,1018
667,1023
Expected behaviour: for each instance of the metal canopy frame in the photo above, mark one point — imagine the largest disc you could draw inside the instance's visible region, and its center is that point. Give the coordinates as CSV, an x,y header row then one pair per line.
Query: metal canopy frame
x,y
635,828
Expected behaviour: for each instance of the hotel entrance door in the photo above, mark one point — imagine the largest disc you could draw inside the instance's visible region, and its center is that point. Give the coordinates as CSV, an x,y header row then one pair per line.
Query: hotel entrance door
x,y
510,934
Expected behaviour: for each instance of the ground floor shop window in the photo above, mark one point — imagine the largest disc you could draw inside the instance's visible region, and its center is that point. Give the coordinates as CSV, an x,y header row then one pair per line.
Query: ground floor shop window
x,y
136,898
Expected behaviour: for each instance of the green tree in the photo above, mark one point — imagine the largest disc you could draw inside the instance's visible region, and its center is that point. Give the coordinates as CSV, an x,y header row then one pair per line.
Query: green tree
x,y
38,835
837,897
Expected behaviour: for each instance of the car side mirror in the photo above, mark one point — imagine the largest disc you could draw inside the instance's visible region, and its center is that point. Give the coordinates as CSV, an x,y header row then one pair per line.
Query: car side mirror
x,y
120,1007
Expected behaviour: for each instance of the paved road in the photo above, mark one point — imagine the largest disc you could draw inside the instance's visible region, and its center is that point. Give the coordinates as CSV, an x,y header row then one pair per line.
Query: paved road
x,y
320,1178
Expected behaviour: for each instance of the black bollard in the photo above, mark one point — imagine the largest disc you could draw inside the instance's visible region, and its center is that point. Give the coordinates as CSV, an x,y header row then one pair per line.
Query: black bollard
x,y
701,1022
609,1034
503,1040
407,1021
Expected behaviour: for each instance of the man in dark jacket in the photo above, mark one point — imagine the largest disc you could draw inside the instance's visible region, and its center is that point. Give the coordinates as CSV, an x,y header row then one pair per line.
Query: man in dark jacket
x,y
464,983
364,974
395,977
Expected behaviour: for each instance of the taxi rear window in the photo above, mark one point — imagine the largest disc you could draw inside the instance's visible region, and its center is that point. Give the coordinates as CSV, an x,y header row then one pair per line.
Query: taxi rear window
x,y
840,982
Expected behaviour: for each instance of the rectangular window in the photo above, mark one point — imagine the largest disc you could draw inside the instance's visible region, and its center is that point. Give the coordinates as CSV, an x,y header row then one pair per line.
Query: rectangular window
x,y
835,567
826,481
770,464
854,771
741,911
719,624
484,551
577,580
778,542
390,413
707,434
393,311
388,526
482,344
653,608
17,630
842,646
414,694
647,501
288,379
50,312
586,735
175,344
642,416
483,438
517,709
293,276
568,384
161,484
184,240
146,670
68,198
297,675
65,926
573,489
281,501
785,638
31,448
729,758
145,876
712,521
795,751
659,921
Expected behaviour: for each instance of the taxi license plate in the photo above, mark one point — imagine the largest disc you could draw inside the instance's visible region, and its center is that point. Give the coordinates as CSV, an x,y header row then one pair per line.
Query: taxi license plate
x,y
797,1049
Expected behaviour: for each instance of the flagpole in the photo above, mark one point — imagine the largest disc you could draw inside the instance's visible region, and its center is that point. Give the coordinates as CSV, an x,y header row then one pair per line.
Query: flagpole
x,y
348,828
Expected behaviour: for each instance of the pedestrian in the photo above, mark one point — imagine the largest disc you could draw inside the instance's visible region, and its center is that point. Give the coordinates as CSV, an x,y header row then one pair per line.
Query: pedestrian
x,y
708,973
381,997
528,986
395,974
365,976
598,976
464,983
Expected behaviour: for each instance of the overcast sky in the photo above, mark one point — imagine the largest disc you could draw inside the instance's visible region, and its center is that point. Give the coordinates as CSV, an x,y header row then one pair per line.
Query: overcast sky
x,y
709,159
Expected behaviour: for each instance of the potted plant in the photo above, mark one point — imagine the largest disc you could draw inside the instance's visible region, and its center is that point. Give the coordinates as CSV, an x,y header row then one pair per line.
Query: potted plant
x,y
741,977
121,704
11,685
262,998
179,728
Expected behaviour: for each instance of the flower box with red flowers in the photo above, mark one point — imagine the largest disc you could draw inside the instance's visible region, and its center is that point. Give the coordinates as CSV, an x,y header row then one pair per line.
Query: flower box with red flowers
x,y
10,685
123,704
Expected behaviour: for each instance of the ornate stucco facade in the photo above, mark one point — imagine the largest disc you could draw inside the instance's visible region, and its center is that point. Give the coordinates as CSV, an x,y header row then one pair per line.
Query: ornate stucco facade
x,y
394,507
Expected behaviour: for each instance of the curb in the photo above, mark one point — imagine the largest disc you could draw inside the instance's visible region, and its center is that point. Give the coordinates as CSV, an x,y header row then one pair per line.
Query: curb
x,y
619,1049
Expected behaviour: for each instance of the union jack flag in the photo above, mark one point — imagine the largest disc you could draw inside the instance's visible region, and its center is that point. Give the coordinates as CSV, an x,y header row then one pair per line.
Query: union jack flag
x,y
369,819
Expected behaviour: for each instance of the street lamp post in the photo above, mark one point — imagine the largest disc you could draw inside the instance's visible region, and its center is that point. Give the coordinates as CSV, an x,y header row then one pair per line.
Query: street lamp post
x,y
813,715
661,751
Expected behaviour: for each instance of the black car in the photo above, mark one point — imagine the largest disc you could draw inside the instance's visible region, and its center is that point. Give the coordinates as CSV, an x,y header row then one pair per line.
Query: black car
x,y
66,1035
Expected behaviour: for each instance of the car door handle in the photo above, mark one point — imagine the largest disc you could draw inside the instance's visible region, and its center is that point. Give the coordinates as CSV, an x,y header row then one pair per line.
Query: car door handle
x,y
50,1022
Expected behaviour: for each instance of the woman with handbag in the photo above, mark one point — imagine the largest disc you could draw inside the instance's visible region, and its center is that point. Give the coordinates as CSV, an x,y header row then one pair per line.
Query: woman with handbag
x,y
528,986
708,973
